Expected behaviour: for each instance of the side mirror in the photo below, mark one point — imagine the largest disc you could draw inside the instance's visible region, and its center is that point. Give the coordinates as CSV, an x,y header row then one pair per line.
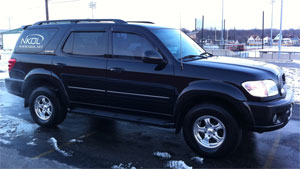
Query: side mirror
x,y
153,57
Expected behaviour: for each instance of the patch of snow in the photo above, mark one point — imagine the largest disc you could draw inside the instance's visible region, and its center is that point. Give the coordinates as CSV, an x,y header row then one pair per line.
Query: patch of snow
x,y
296,61
6,142
123,166
177,164
162,155
32,142
75,141
293,81
4,75
12,127
198,160
53,142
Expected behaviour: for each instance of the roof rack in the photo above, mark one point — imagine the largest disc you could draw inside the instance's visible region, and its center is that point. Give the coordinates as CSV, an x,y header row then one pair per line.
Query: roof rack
x,y
140,22
25,26
74,21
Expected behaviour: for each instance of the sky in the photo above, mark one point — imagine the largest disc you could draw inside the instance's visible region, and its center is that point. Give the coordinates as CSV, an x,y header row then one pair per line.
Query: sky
x,y
241,14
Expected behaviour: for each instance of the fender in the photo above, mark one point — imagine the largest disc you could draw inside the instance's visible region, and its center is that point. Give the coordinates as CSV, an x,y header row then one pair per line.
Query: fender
x,y
45,76
215,89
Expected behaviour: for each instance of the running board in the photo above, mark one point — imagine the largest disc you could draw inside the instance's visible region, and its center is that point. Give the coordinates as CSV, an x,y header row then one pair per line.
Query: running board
x,y
125,117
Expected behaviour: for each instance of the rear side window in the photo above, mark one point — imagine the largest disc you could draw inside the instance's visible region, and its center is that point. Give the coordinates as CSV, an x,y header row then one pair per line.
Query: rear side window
x,y
34,40
128,44
86,43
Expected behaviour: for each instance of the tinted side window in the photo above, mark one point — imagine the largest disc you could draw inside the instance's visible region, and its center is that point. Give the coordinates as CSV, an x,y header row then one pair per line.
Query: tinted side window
x,y
68,47
128,44
86,43
34,40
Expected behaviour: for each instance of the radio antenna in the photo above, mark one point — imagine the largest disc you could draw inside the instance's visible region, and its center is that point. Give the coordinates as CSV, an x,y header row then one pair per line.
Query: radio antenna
x,y
180,45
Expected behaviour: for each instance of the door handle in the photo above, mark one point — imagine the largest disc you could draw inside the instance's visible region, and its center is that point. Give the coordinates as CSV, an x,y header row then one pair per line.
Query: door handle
x,y
117,70
60,65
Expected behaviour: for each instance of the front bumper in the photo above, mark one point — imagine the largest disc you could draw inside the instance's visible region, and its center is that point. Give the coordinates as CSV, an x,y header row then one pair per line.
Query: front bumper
x,y
269,116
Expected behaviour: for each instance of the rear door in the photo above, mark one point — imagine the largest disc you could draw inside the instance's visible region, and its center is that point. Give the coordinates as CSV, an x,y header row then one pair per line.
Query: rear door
x,y
133,84
81,64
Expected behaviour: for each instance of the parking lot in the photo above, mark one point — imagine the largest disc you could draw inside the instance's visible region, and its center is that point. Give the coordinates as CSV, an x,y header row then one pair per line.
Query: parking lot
x,y
89,142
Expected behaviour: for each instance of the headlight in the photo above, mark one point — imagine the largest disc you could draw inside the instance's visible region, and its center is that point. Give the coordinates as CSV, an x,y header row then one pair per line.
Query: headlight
x,y
263,88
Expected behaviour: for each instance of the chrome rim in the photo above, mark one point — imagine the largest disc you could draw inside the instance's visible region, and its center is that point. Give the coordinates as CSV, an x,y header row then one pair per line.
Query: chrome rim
x,y
43,107
209,131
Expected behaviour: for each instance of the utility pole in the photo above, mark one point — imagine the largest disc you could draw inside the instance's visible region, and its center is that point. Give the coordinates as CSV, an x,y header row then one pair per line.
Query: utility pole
x,y
47,11
92,5
280,34
222,36
211,34
234,35
263,29
215,34
9,26
271,42
195,24
202,31
227,35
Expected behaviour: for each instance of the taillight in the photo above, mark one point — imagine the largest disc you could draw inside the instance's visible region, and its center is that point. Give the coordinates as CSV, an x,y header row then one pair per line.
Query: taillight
x,y
11,64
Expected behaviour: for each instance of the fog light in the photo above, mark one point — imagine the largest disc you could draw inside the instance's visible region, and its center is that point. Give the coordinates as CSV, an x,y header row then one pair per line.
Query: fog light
x,y
275,119
290,113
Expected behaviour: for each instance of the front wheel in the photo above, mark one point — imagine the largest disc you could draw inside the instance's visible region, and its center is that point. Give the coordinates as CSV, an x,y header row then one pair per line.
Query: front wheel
x,y
45,107
211,131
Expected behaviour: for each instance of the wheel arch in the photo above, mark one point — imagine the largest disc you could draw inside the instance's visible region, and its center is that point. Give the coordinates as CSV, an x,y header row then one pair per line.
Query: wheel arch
x,y
221,94
42,77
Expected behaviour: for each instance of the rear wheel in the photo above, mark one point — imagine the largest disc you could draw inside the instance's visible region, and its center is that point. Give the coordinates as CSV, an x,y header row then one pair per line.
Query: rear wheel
x,y
211,131
46,108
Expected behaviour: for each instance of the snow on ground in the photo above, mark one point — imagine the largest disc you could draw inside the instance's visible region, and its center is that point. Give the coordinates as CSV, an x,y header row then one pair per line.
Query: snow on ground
x,y
177,164
32,142
12,127
53,142
75,141
198,160
293,81
162,155
297,61
123,166
3,75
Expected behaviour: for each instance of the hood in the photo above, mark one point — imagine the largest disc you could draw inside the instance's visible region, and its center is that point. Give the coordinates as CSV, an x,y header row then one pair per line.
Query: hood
x,y
244,63
232,70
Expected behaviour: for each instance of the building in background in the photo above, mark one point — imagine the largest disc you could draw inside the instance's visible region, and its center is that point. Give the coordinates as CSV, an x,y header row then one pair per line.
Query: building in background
x,y
9,39
193,35
254,40
1,39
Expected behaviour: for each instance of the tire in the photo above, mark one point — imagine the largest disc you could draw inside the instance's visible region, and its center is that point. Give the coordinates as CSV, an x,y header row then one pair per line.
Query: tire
x,y
45,107
211,131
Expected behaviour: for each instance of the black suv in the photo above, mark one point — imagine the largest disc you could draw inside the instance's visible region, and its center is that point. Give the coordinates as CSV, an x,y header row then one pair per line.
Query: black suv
x,y
145,73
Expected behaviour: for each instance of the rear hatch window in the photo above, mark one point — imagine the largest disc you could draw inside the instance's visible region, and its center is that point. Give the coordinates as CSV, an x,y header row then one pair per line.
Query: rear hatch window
x,y
34,40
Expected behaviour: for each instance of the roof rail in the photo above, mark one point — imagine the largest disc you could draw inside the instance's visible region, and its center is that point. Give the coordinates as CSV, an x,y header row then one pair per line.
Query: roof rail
x,y
69,21
25,26
140,22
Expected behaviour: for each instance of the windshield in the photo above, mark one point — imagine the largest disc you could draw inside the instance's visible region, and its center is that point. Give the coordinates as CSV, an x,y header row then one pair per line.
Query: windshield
x,y
171,39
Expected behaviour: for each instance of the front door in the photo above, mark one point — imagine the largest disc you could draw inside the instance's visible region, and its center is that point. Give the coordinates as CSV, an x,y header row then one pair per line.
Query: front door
x,y
133,84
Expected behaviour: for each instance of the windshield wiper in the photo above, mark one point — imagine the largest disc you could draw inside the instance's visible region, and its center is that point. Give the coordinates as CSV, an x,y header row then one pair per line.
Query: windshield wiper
x,y
206,54
193,56
201,56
